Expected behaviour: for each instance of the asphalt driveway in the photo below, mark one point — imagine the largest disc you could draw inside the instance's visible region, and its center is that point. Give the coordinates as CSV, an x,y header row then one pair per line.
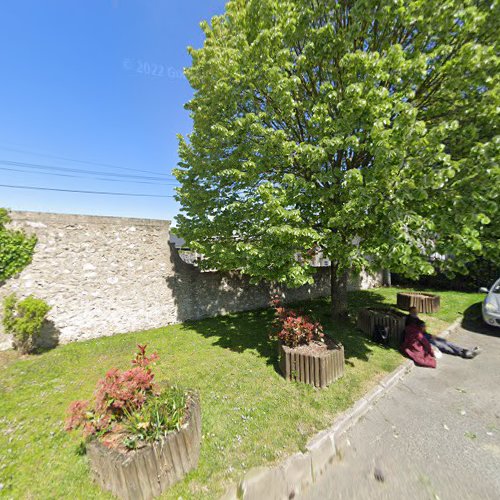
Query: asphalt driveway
x,y
436,435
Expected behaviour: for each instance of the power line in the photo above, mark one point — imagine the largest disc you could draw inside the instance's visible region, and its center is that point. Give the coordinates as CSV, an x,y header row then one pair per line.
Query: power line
x,y
38,188
87,162
37,166
36,173
164,183
157,183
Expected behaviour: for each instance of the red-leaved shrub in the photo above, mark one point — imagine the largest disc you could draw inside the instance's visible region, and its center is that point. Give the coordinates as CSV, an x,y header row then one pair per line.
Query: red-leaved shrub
x,y
295,329
119,393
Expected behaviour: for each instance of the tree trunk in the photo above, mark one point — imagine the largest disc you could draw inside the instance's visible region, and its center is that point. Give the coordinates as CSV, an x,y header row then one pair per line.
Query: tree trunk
x,y
339,281
386,277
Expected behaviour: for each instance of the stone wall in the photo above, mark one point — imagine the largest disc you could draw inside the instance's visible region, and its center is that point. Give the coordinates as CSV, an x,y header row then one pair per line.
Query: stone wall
x,y
106,275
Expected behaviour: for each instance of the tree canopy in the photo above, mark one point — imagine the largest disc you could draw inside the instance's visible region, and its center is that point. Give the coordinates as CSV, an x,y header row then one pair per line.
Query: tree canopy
x,y
364,129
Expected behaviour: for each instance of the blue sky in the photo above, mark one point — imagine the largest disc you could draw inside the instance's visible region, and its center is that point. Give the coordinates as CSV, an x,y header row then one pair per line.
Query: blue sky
x,y
99,81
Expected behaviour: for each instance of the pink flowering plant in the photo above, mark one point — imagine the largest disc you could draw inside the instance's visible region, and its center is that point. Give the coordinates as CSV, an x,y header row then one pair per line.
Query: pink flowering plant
x,y
122,397
292,328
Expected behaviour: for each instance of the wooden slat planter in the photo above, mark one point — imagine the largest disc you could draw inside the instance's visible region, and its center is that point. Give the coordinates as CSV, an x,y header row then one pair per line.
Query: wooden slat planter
x,y
424,302
395,320
317,369
145,473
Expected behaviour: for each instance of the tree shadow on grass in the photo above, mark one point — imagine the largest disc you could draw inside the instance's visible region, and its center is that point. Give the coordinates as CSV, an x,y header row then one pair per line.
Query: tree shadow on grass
x,y
473,322
240,332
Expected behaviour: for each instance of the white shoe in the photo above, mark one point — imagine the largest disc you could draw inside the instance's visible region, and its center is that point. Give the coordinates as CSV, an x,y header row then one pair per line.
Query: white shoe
x,y
437,353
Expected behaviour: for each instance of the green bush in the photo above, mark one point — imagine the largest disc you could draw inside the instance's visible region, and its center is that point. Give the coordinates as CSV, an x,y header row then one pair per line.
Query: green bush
x,y
24,320
481,272
16,249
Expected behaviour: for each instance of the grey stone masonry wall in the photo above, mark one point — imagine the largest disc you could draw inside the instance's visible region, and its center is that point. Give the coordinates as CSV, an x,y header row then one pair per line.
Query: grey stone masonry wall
x,y
107,275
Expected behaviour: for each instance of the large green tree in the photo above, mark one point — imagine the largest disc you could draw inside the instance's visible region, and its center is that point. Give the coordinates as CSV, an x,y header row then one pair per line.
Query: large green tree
x,y
364,129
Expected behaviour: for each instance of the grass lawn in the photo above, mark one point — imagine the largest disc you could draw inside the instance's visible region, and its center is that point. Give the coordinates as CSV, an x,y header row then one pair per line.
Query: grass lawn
x,y
250,414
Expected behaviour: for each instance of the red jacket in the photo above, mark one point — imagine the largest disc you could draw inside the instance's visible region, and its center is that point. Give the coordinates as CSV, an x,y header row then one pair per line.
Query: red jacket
x,y
417,347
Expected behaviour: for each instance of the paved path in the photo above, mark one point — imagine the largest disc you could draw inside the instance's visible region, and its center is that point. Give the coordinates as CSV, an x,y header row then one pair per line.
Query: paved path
x,y
436,435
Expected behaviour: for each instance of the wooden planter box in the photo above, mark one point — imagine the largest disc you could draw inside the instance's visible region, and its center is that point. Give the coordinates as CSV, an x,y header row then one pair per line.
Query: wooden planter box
x,y
424,302
145,473
317,369
394,320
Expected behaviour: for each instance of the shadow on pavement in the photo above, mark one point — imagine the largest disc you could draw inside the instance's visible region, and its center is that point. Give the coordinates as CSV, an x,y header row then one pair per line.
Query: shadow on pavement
x,y
473,322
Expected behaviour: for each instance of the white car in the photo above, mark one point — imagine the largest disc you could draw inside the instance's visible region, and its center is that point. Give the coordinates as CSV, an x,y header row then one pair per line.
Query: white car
x,y
491,304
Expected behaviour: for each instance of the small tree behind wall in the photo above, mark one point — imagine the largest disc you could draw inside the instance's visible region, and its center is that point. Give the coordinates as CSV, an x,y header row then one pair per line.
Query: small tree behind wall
x,y
367,130
16,248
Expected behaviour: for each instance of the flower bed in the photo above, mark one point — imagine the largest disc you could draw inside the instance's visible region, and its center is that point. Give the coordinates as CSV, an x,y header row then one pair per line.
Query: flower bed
x,y
424,302
317,364
141,438
305,353
148,471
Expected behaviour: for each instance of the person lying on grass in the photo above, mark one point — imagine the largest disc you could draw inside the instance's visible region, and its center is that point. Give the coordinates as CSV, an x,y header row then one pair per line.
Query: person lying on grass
x,y
442,345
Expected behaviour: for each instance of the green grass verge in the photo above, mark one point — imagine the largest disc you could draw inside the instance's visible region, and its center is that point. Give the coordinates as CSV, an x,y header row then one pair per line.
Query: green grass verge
x,y
251,416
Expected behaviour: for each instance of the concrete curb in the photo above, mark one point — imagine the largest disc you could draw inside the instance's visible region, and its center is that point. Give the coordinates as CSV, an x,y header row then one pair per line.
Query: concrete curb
x,y
293,476
446,333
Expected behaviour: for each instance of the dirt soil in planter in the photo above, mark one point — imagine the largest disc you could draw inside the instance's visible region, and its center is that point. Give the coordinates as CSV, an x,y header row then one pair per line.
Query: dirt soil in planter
x,y
316,347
